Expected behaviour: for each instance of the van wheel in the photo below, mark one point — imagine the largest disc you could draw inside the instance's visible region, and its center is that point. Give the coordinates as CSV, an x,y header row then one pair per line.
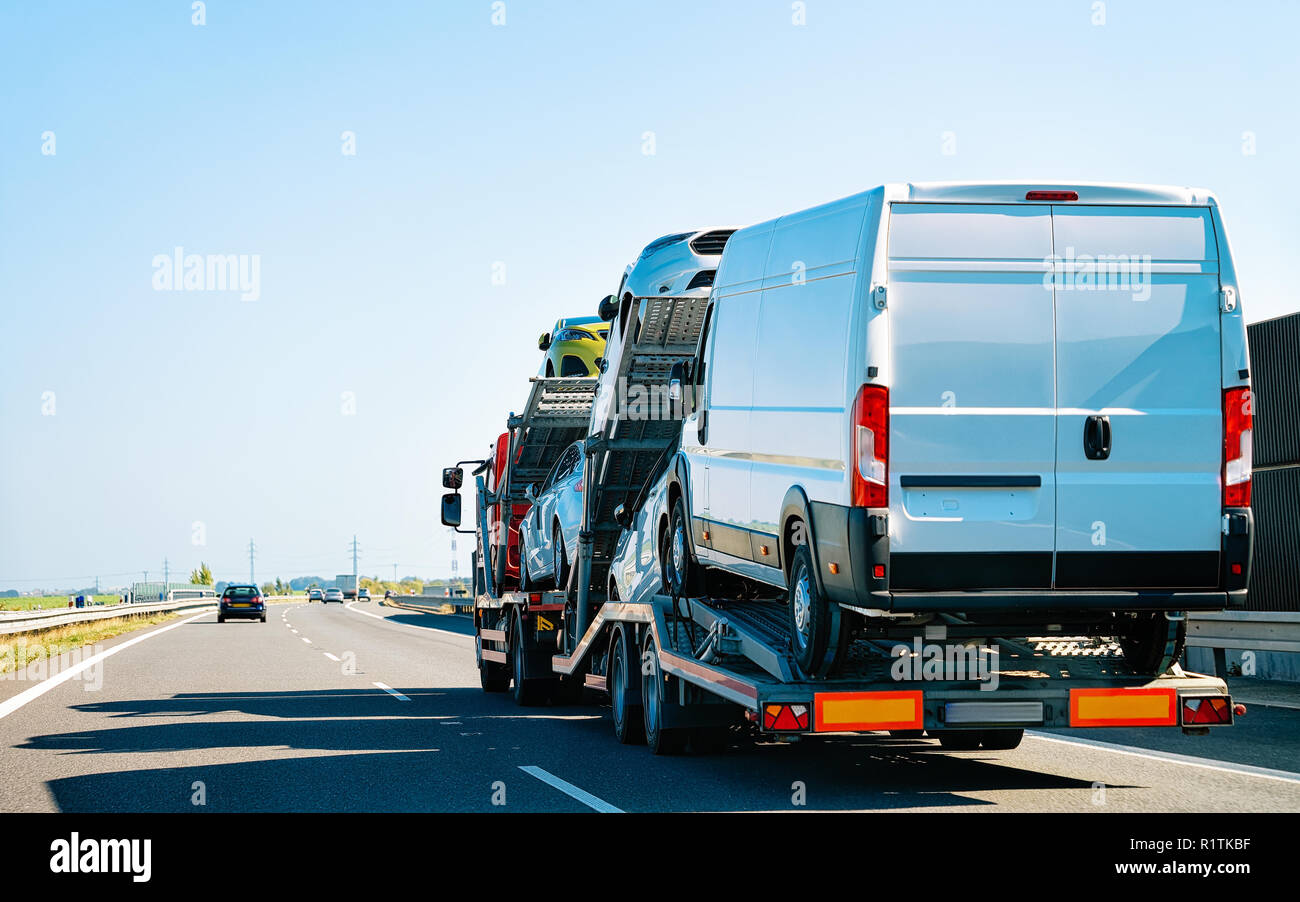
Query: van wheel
x,y
529,692
560,566
1001,740
629,726
662,741
819,632
1152,643
680,573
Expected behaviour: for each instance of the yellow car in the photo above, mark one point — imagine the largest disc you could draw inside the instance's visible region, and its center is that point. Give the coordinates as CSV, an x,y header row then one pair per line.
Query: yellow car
x,y
574,347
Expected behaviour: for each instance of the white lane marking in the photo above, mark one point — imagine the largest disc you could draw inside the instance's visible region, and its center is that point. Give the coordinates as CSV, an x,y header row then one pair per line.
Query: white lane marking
x,y
294,631
570,790
330,656
11,705
393,692
427,629
1230,767
305,639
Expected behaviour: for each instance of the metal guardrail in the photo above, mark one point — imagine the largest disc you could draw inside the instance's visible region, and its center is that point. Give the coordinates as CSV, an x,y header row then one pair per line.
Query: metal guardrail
x,y
30,621
1248,630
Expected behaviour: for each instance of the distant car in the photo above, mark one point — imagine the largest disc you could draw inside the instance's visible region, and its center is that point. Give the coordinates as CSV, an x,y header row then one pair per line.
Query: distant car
x,y
241,601
315,595
548,537
363,595
574,347
333,595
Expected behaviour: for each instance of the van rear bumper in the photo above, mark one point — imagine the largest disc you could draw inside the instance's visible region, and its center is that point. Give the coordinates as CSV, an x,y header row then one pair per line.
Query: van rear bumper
x,y
1065,601
856,541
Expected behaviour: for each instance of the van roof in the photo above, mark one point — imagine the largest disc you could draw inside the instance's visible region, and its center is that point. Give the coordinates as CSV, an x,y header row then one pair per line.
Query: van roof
x,y
1014,192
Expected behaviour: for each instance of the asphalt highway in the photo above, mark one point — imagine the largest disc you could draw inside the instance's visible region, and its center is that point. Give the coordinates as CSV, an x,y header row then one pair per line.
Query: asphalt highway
x,y
365,707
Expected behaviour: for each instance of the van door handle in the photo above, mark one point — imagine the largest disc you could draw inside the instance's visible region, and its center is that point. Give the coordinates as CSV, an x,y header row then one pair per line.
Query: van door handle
x,y
1096,437
703,431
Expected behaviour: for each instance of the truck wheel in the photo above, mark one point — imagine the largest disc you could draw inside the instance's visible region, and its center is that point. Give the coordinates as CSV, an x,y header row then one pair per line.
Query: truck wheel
x,y
680,573
493,677
528,691
819,634
1001,740
662,741
1152,643
560,566
959,740
629,727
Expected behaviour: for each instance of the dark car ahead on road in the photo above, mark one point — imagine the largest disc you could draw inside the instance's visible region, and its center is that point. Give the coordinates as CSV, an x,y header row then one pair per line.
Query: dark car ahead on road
x,y
315,595
242,601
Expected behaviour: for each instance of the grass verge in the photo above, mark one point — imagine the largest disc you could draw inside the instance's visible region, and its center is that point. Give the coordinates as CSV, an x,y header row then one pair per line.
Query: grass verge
x,y
19,650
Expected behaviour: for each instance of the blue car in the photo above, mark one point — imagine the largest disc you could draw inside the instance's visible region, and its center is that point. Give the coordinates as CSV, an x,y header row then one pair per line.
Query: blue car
x,y
242,600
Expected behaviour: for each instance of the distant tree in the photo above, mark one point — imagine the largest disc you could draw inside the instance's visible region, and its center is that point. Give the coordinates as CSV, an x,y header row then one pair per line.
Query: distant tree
x,y
201,576
268,588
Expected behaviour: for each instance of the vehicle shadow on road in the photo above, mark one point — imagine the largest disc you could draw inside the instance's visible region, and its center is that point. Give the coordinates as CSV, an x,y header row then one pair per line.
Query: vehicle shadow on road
x,y
363,750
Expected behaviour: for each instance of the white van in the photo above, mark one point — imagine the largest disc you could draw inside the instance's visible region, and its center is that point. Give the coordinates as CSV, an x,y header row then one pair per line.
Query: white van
x,y
995,406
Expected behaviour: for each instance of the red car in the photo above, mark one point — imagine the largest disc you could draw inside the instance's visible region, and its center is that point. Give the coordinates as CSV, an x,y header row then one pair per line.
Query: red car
x,y
495,475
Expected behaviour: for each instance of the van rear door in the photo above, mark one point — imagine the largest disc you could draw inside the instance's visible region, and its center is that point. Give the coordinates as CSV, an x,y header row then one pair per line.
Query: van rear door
x,y
972,436
1137,362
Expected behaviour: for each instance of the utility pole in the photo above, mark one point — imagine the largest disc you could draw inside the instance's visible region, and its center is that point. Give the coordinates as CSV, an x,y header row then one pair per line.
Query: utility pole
x,y
394,572
354,561
166,579
251,553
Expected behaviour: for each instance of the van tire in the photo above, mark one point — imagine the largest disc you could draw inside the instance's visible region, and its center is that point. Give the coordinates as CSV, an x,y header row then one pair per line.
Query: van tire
x,y
1001,740
1152,643
681,574
819,633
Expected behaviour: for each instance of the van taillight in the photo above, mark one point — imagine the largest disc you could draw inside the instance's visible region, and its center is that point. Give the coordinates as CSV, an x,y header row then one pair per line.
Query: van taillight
x,y
1238,419
871,447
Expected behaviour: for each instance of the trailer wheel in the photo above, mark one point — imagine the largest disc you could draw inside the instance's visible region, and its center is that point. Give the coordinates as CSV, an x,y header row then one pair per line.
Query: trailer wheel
x,y
1001,740
1152,643
629,727
662,741
819,633
493,677
528,692
959,740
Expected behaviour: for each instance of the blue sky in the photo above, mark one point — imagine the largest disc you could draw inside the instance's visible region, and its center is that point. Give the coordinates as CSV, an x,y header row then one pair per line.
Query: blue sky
x,y
479,144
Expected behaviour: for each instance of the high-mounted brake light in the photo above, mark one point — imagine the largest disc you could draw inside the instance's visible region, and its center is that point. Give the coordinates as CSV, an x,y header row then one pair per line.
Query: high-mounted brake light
x,y
870,477
1052,195
1238,420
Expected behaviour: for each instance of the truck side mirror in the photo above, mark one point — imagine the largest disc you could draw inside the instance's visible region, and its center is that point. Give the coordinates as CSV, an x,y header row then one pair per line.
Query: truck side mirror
x,y
451,509
544,343
608,308
621,516
531,492
453,478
